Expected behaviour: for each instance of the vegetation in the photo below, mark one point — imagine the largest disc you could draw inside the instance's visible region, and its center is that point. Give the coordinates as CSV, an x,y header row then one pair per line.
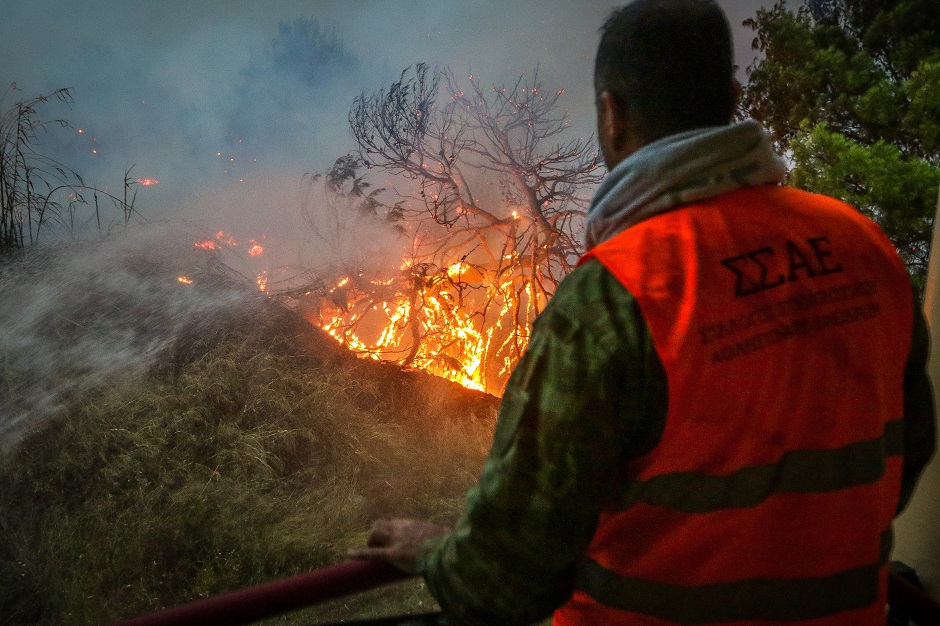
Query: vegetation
x,y
35,188
238,460
850,89
242,465
493,193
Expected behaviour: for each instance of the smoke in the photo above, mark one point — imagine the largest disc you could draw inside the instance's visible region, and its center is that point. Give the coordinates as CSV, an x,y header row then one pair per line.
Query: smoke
x,y
216,105
299,72
307,230
209,93
228,105
80,316
87,315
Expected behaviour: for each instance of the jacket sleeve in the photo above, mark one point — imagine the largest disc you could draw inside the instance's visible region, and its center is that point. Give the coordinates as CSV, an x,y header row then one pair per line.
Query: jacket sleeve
x,y
578,404
920,434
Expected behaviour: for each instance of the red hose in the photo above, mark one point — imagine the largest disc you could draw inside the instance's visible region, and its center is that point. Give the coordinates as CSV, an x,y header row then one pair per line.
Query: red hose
x,y
266,600
270,599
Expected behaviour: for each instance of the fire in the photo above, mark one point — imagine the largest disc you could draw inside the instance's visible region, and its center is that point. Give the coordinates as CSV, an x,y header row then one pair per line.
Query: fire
x,y
221,239
148,182
461,320
425,319
185,280
226,240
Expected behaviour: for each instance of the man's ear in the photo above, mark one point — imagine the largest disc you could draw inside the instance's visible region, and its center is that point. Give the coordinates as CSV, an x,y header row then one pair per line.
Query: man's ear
x,y
612,124
607,109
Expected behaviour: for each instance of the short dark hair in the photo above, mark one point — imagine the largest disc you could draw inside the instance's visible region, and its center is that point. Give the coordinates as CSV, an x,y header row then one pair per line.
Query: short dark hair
x,y
670,62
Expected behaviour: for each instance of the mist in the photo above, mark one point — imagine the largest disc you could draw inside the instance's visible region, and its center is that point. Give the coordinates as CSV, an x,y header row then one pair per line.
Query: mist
x,y
198,95
83,316
229,109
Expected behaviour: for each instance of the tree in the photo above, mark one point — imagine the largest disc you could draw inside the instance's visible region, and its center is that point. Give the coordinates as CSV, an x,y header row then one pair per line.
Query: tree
x,y
851,89
36,189
494,194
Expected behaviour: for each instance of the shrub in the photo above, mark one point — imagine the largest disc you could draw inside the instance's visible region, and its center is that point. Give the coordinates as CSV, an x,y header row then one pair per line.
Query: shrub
x,y
244,467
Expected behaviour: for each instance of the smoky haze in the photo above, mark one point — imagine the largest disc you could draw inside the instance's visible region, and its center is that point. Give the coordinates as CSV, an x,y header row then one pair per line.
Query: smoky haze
x,y
209,94
228,104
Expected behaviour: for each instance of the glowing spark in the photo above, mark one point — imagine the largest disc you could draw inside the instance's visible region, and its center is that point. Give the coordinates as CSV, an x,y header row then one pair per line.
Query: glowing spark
x,y
341,283
256,249
185,280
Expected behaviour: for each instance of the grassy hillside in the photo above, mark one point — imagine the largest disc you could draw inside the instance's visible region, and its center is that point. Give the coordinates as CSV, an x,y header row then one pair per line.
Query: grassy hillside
x,y
254,449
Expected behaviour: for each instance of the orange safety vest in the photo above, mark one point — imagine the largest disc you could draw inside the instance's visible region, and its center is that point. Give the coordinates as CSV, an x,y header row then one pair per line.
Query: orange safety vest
x,y
783,321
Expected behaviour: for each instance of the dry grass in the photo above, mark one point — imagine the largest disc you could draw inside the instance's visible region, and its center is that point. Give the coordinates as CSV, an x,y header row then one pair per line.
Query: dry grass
x,y
244,467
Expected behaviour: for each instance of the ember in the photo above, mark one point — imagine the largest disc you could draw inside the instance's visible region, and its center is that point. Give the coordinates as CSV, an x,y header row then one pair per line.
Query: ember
x,y
221,239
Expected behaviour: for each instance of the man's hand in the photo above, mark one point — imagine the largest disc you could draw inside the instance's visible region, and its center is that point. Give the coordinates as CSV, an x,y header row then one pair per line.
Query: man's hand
x,y
398,541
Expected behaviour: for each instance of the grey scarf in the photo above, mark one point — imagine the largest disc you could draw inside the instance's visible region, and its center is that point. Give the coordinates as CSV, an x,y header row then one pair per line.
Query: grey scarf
x,y
694,165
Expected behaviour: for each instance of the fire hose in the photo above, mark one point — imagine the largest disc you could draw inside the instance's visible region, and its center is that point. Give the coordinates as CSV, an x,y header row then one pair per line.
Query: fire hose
x,y
270,599
251,604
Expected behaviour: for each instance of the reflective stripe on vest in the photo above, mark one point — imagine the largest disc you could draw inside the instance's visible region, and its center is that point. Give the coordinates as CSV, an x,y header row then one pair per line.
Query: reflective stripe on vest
x,y
783,322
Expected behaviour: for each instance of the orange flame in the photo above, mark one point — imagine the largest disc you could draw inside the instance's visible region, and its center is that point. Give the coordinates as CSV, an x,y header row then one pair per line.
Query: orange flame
x,y
185,280
221,239
148,182
425,319
424,316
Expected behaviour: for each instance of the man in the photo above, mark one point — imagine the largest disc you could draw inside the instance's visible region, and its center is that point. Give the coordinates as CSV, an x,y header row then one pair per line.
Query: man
x,y
723,406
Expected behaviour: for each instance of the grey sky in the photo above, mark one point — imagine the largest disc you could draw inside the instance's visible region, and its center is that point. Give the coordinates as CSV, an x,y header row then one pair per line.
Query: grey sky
x,y
169,84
